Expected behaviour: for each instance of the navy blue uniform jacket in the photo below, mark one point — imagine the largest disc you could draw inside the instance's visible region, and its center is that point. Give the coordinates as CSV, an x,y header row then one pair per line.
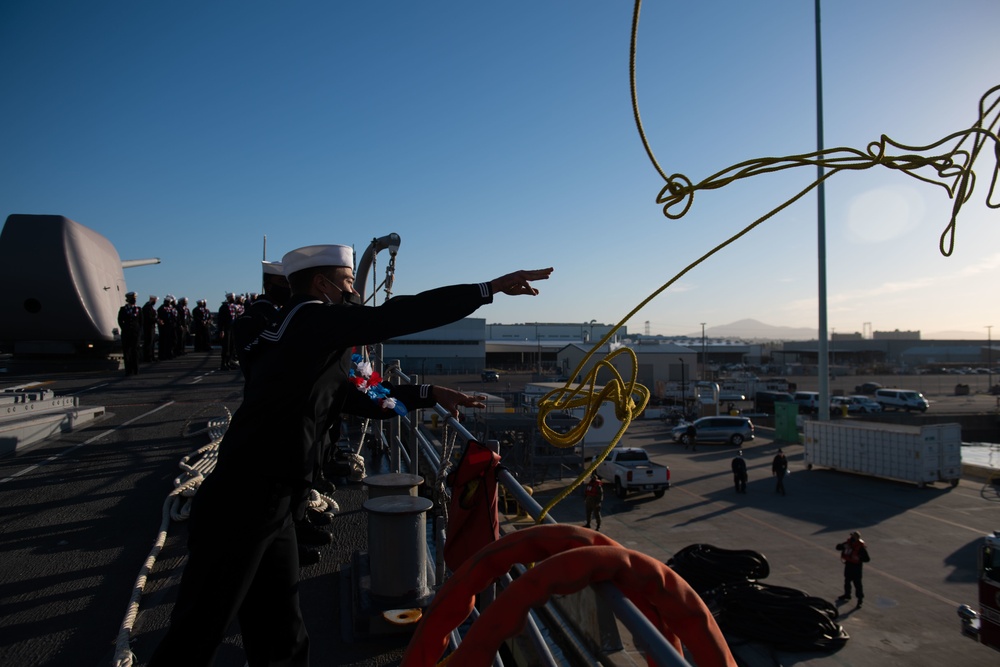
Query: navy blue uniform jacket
x,y
298,384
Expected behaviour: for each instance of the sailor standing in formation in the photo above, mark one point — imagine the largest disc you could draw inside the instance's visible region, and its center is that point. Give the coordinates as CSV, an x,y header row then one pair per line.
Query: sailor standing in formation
x,y
260,313
201,316
228,313
183,326
130,326
149,326
244,564
166,319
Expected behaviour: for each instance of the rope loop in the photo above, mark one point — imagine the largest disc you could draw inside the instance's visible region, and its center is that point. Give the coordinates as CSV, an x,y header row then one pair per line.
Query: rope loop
x,y
953,167
680,192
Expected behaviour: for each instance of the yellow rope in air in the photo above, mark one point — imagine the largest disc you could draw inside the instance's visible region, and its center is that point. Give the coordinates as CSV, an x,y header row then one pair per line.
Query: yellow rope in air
x,y
950,169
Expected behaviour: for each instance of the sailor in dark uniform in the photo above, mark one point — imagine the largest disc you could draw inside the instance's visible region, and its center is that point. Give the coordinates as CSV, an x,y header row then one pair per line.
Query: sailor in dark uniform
x,y
227,316
244,563
260,313
148,327
166,320
201,316
183,326
130,326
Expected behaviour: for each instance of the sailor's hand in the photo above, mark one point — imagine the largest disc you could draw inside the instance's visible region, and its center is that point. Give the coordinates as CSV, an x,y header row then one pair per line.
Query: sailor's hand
x,y
449,399
519,282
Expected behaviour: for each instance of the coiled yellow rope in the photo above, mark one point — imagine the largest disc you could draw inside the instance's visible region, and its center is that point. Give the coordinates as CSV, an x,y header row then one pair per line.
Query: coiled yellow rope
x,y
950,169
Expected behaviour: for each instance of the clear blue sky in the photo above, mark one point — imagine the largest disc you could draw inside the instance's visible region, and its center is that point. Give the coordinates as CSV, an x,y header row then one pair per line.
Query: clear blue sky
x,y
497,136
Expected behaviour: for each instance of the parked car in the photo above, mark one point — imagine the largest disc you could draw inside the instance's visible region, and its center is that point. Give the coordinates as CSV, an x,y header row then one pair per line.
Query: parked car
x,y
863,404
808,401
867,388
490,376
855,404
837,405
901,399
734,430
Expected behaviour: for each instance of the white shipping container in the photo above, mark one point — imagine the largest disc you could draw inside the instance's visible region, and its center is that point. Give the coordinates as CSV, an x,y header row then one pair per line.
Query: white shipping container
x,y
920,454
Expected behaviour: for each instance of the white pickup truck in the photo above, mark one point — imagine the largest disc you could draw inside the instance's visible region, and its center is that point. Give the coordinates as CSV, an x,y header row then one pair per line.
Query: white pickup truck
x,y
630,469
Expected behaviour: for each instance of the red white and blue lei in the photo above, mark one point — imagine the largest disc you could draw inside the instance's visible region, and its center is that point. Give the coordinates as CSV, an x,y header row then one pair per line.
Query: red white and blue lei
x,y
368,381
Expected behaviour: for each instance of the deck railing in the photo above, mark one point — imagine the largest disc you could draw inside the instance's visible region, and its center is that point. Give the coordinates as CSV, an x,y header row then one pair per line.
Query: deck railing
x,y
408,445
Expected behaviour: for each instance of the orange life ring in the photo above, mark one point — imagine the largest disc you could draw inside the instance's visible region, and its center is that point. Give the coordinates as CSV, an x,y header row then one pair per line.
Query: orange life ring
x,y
659,593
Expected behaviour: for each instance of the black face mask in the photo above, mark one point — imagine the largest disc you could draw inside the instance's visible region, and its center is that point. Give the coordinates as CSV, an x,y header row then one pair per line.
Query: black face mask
x,y
346,298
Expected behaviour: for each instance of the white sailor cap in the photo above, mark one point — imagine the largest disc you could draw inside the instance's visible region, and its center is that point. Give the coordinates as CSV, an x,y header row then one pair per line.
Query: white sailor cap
x,y
317,255
272,268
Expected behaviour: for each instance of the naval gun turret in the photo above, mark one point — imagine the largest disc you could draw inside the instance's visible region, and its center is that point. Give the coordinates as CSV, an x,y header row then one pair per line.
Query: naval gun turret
x,y
63,284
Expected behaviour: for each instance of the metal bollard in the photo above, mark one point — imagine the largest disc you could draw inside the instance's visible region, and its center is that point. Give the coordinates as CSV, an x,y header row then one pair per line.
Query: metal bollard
x,y
397,546
393,484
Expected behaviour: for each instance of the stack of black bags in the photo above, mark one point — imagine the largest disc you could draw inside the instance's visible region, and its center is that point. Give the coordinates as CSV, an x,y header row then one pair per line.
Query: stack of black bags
x,y
785,618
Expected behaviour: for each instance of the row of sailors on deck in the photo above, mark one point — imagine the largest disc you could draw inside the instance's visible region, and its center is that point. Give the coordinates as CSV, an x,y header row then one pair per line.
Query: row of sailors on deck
x,y
149,333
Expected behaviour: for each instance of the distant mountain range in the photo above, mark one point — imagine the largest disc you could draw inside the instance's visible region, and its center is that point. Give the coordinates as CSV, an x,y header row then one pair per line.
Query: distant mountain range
x,y
755,329
751,329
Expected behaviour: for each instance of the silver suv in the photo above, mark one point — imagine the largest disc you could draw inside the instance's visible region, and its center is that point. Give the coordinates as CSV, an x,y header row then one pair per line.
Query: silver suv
x,y
734,430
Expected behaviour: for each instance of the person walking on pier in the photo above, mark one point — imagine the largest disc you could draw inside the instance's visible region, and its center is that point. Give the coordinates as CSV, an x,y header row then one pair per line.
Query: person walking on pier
x,y
244,564
690,437
853,554
593,496
740,473
779,468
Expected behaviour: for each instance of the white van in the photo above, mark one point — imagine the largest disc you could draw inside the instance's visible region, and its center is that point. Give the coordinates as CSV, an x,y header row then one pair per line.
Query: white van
x,y
808,401
901,399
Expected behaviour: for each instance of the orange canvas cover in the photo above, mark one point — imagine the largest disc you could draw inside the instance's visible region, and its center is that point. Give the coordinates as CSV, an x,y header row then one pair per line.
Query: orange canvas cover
x,y
473,521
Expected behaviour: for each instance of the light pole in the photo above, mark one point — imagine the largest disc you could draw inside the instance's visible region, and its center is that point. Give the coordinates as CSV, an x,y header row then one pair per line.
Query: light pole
x,y
989,357
822,348
704,360
592,322
683,389
538,342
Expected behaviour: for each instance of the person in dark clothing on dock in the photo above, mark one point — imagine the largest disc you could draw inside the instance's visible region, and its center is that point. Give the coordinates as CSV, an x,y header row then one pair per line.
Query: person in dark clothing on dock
x,y
779,468
740,473
854,555
244,564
